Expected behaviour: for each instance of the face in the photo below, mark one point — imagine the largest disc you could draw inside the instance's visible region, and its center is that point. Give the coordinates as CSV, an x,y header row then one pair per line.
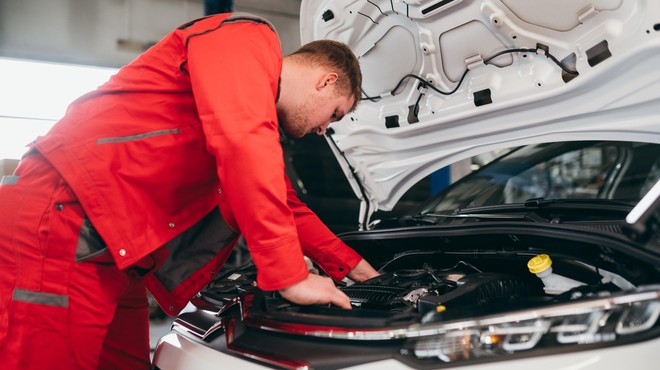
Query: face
x,y
315,113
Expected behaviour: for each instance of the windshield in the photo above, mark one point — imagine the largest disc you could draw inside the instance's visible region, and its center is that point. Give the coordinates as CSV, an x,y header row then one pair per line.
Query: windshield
x,y
622,171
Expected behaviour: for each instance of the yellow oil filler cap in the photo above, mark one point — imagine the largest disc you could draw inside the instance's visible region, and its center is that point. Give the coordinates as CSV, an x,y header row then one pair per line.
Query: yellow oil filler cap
x,y
539,263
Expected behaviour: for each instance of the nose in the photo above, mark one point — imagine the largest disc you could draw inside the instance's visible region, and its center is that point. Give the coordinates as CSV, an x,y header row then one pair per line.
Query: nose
x,y
321,129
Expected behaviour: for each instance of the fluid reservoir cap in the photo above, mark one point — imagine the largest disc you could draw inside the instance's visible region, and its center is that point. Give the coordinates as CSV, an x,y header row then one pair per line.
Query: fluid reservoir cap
x,y
539,263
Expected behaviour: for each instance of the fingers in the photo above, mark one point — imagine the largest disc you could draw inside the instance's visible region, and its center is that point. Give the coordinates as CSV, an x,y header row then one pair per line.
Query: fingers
x,y
316,290
333,295
341,300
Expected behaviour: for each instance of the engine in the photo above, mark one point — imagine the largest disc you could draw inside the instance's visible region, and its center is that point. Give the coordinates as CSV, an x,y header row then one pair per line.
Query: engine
x,y
428,289
461,288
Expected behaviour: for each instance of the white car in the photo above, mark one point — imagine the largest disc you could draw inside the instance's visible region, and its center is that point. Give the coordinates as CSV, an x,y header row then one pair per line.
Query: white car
x,y
546,258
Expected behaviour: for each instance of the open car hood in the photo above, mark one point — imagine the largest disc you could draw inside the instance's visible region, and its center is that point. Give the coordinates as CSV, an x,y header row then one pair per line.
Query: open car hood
x,y
568,70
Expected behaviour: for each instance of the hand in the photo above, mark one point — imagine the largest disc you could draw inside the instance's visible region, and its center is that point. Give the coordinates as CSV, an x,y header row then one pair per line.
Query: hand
x,y
362,271
316,289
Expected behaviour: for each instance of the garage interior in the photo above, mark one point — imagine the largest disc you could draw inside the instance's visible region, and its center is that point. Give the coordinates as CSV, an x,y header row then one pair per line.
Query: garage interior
x,y
53,52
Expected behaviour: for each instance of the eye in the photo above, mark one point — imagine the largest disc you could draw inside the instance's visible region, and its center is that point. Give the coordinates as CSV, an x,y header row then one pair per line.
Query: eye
x,y
334,114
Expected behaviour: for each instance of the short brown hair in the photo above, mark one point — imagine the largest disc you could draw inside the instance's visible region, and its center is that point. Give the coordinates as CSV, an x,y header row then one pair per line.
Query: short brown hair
x,y
338,57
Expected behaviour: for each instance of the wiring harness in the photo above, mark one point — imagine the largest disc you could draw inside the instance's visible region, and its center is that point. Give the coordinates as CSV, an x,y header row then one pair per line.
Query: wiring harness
x,y
539,50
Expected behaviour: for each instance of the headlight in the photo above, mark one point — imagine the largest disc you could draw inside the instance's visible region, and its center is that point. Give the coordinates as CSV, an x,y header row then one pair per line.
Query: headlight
x,y
595,321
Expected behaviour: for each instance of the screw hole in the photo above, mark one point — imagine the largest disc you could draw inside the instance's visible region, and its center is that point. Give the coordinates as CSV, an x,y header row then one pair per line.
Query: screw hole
x,y
656,27
524,55
539,84
514,37
495,21
647,31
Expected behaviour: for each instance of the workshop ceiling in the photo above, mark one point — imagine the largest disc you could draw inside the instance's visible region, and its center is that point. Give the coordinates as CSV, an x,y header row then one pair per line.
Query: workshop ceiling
x,y
113,32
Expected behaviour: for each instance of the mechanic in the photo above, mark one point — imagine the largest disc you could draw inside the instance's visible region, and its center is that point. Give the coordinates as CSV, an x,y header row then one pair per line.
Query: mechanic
x,y
147,181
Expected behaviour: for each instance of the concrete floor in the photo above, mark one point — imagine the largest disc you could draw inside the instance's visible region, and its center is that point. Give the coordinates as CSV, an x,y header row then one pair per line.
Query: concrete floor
x,y
158,328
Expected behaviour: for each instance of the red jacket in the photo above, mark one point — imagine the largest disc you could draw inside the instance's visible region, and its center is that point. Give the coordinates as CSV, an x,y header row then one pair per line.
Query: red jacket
x,y
188,128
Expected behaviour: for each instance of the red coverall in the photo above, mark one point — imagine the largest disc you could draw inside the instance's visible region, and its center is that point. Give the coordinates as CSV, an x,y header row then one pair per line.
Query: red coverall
x,y
148,180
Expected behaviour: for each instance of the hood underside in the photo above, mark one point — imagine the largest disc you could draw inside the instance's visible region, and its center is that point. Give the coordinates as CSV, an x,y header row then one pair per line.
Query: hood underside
x,y
447,80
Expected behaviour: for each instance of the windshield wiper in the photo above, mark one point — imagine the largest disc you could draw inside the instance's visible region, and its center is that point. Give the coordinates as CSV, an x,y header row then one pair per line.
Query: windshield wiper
x,y
435,218
529,210
579,203
537,204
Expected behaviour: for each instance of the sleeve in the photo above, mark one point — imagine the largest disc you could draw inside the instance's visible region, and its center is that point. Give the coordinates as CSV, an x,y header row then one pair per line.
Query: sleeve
x,y
318,242
234,72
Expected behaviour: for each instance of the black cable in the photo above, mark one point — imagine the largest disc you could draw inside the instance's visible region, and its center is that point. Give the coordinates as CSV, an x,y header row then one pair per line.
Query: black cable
x,y
561,65
370,98
485,61
535,51
427,84
329,132
508,51
416,109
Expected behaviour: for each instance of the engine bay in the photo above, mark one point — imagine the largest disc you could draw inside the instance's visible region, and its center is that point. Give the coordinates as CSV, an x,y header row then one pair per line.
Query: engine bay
x,y
426,289
454,275
449,286
437,290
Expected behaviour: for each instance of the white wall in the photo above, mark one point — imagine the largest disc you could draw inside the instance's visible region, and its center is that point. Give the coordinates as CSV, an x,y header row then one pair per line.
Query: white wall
x,y
113,32
104,33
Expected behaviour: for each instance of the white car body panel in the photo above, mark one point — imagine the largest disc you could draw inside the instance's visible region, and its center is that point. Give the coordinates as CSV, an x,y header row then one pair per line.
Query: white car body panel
x,y
175,351
178,352
531,103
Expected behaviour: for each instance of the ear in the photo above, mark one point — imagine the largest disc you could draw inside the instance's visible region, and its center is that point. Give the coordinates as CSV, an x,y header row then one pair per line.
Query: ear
x,y
327,79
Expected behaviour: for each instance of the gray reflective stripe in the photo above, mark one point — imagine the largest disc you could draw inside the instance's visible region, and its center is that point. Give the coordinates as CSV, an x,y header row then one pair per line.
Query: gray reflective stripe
x,y
9,180
122,139
40,298
242,17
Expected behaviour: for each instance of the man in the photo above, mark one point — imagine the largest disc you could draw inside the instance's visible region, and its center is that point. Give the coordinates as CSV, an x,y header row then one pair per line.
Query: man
x,y
150,178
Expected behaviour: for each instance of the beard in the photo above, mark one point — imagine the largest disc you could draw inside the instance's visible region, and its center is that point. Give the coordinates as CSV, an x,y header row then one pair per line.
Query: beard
x,y
295,120
293,123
